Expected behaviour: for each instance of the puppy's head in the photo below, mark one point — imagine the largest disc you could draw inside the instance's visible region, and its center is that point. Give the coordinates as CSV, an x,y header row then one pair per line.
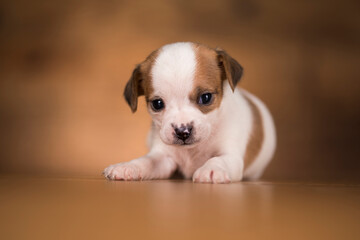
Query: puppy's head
x,y
183,84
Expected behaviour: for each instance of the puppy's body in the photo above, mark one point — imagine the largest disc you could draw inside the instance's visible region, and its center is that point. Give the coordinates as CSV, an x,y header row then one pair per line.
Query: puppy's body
x,y
229,138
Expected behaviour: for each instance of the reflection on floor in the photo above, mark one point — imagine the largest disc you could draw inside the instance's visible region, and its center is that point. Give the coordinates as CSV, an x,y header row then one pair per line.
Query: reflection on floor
x,y
45,208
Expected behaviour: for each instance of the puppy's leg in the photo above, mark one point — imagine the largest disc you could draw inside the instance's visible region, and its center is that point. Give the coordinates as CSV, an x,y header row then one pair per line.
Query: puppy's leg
x,y
144,168
222,169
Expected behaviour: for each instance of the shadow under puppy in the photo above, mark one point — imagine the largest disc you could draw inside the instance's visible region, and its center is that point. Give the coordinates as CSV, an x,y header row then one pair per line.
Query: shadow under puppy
x,y
202,125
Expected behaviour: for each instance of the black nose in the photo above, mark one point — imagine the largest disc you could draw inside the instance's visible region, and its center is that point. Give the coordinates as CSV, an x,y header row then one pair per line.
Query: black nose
x,y
183,132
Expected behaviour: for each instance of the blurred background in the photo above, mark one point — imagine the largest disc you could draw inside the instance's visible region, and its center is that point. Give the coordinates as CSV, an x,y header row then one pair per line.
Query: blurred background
x,y
64,64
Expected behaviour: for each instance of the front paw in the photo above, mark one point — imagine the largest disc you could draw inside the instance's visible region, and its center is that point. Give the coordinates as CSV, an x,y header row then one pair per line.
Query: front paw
x,y
123,171
211,174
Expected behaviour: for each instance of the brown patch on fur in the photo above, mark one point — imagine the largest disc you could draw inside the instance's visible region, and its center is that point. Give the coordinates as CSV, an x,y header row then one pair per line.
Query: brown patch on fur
x,y
147,78
207,78
257,134
140,82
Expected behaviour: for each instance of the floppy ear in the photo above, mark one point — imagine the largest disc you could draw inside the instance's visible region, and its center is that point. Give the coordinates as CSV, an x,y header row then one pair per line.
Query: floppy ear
x,y
230,68
134,89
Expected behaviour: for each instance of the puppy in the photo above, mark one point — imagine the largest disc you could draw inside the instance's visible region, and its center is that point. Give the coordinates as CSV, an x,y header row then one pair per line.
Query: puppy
x,y
202,125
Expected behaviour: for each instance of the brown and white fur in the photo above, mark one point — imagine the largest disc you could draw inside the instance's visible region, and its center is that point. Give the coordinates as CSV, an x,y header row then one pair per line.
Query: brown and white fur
x,y
231,139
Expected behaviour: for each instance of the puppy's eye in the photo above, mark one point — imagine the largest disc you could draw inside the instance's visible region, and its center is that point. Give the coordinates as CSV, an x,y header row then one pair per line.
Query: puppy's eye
x,y
157,104
205,99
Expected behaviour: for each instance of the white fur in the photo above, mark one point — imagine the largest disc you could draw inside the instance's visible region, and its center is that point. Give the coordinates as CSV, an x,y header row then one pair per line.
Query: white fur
x,y
221,135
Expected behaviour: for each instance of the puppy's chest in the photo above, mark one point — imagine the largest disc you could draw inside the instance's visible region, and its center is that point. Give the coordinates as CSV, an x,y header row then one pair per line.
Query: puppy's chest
x,y
189,160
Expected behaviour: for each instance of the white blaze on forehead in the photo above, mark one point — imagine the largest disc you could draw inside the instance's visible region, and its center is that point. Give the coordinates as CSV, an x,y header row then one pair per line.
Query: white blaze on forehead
x,y
173,70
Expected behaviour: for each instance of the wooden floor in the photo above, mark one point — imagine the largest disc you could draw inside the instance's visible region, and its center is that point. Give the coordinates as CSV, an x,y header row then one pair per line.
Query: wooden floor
x,y
46,208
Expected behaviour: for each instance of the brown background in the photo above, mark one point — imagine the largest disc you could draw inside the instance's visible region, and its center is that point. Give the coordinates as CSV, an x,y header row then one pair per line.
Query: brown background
x,y
64,65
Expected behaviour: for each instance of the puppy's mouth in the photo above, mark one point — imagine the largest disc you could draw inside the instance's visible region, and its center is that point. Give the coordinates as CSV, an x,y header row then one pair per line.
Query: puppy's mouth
x,y
187,142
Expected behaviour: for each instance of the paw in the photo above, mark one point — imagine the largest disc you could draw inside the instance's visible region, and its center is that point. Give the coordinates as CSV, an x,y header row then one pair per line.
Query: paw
x,y
123,171
209,174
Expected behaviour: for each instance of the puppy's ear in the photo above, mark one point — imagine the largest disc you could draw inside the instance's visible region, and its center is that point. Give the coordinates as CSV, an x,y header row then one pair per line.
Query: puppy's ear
x,y
230,68
134,89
